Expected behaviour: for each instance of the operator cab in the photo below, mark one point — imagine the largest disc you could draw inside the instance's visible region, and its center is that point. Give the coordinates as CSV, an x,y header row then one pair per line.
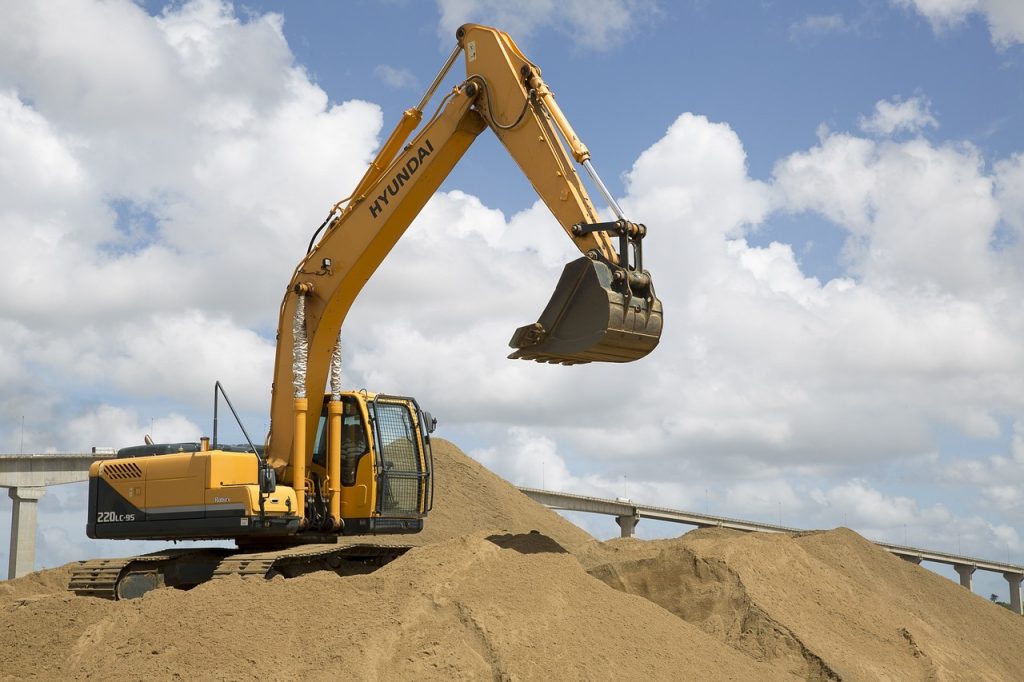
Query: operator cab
x,y
386,463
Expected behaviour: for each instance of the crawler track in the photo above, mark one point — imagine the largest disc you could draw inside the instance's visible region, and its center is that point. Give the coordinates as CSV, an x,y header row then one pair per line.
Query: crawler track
x,y
130,577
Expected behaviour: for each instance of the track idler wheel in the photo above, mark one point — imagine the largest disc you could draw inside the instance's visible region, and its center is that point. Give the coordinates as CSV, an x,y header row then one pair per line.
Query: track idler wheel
x,y
134,584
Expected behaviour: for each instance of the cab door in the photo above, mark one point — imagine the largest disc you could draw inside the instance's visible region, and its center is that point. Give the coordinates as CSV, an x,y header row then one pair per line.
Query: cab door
x,y
403,466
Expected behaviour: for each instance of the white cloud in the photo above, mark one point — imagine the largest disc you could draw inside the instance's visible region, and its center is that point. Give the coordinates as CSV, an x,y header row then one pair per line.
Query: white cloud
x,y
395,77
1005,18
144,358
773,500
677,174
999,478
898,115
942,12
904,521
1005,21
1009,179
869,506
155,173
595,24
36,158
529,459
916,212
109,426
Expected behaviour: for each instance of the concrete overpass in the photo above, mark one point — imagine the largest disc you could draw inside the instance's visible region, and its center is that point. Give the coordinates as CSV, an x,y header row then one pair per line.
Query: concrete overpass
x,y
628,513
26,478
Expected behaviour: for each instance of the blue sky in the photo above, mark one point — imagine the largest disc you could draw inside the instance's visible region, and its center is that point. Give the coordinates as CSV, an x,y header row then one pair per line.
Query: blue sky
x,y
770,69
832,189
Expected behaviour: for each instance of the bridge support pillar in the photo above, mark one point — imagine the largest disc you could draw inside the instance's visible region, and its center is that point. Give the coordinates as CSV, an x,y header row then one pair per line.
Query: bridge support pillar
x,y
627,524
965,571
1015,580
23,530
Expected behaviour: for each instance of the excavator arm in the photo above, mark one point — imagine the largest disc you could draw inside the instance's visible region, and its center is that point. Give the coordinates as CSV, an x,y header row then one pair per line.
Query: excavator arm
x,y
603,309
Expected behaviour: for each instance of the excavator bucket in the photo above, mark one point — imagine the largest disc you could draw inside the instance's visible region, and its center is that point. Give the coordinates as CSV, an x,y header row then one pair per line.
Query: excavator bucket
x,y
589,320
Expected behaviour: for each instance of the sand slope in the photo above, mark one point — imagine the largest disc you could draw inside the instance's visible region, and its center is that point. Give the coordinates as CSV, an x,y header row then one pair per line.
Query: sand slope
x,y
469,497
458,609
823,606
483,598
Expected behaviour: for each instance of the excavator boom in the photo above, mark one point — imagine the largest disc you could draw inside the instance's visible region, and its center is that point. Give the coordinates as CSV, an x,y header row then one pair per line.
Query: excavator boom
x,y
604,308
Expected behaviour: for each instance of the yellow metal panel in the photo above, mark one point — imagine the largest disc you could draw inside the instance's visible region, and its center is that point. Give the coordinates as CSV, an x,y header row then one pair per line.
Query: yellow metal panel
x,y
175,480
354,502
136,494
281,501
358,501
231,468
228,497
133,491
232,479
177,465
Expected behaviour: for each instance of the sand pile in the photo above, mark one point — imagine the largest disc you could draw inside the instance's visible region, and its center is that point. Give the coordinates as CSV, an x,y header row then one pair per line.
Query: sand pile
x,y
823,606
482,598
470,498
460,609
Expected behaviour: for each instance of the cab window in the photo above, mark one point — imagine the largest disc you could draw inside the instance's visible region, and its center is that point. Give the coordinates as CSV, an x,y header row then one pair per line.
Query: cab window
x,y
354,442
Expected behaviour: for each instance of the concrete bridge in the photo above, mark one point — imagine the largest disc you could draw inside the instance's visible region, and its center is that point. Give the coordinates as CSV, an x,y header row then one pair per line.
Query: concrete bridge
x,y
26,478
628,513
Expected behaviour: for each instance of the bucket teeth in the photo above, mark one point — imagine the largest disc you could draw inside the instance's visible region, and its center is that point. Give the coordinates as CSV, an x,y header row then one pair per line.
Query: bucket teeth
x,y
588,319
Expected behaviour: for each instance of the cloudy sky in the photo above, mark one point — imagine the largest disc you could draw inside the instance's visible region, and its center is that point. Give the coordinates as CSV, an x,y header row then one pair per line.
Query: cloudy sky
x,y
835,200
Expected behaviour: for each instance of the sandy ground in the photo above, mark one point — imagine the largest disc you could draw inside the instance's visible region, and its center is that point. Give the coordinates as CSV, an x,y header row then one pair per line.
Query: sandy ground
x,y
481,597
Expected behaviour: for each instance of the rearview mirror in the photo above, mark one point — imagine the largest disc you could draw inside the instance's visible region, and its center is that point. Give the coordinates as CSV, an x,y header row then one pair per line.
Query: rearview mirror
x,y
268,480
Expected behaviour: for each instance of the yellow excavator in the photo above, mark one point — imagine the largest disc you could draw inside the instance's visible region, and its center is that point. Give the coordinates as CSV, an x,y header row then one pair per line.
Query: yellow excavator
x,y
355,463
